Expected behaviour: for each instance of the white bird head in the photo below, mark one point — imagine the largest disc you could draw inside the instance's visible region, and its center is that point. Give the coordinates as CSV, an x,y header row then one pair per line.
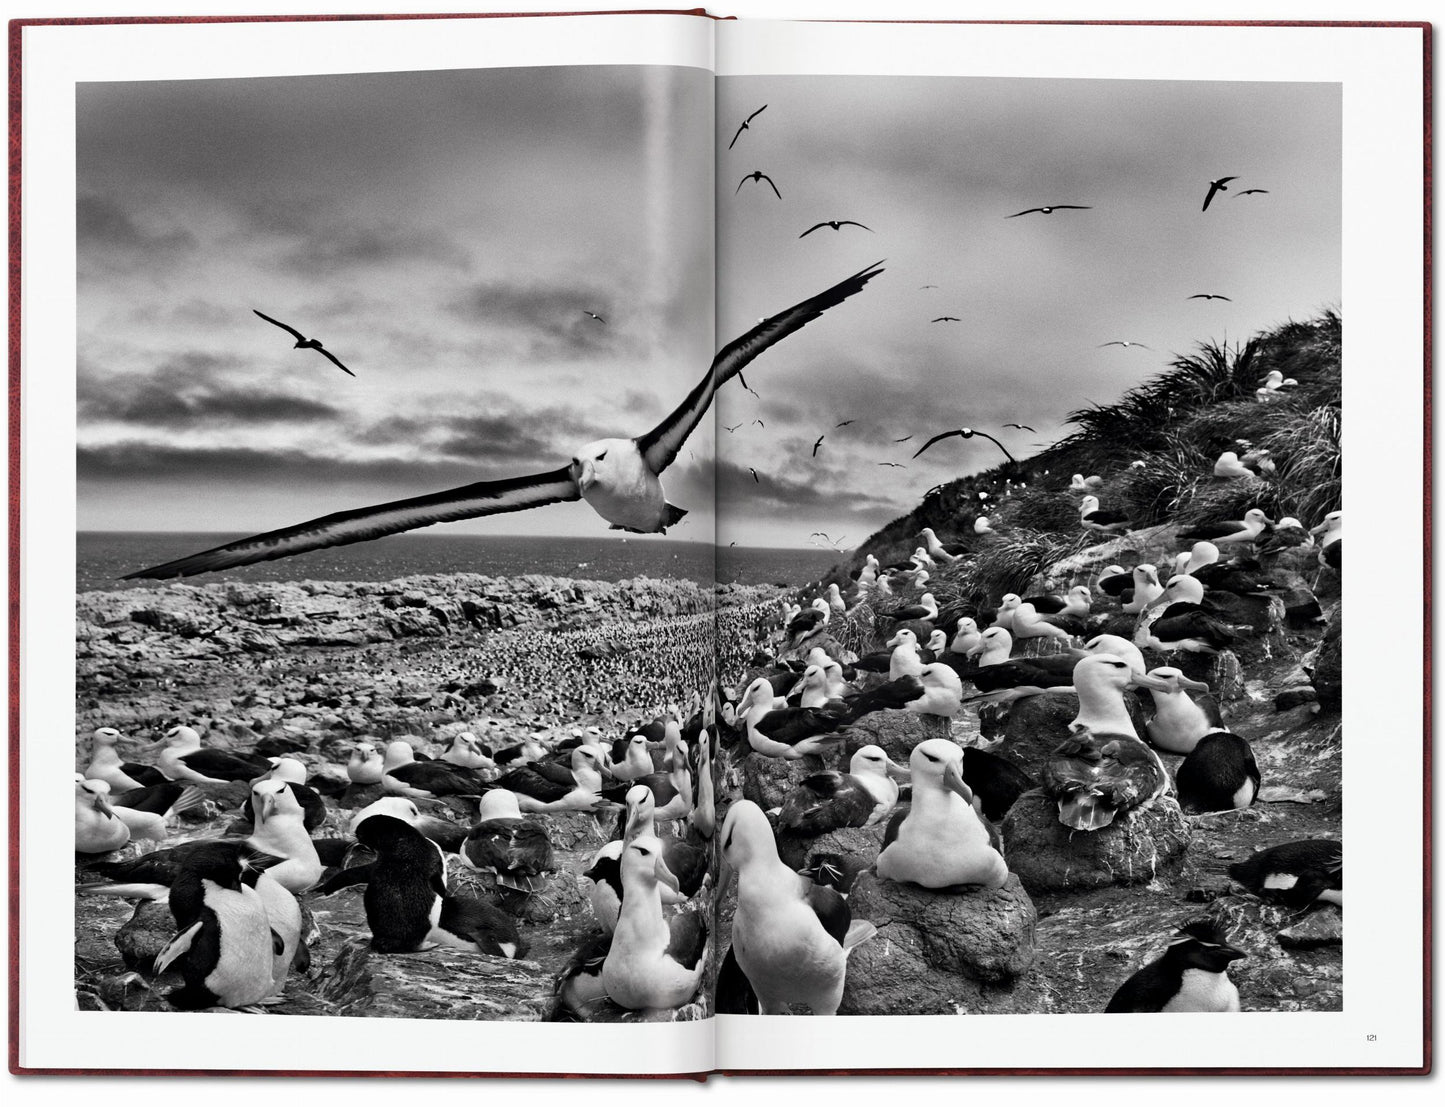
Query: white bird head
x,y
1256,517
902,637
398,807
1184,589
1088,504
643,866
747,838
1119,647
398,753
1176,680
287,769
498,804
641,807
872,759
937,765
271,799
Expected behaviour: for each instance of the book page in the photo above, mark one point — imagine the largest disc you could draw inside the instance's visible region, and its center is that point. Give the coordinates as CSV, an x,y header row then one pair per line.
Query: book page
x,y
441,288
1105,350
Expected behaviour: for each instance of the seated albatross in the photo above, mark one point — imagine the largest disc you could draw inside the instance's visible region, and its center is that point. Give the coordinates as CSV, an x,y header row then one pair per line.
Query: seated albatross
x,y
618,477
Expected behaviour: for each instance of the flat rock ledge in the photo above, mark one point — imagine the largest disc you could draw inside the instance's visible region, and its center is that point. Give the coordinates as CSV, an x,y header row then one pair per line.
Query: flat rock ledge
x,y
937,953
1047,856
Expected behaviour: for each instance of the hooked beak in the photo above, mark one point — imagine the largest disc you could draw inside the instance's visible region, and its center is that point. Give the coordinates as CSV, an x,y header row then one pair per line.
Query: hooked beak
x,y
1193,685
954,783
1153,683
897,771
974,650
666,876
894,641
104,808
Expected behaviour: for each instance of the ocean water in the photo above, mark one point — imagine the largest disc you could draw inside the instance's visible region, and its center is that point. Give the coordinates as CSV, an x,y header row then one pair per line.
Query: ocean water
x,y
103,557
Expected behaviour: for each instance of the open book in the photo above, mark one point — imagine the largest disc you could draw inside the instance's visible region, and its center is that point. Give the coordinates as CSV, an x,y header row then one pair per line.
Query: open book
x,y
587,534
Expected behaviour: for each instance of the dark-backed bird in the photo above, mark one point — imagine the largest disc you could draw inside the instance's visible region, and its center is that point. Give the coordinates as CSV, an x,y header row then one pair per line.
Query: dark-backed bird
x,y
758,175
516,850
1191,976
1207,296
1219,185
304,343
946,319
1022,427
1229,531
754,472
742,380
593,315
835,224
905,438
1126,345
791,937
864,795
1250,192
844,423
1219,774
618,477
744,126
1295,873
817,444
1050,210
893,464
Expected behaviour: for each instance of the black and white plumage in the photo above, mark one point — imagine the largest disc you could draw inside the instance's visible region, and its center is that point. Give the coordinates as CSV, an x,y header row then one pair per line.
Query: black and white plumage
x,y
1297,874
995,780
407,904
1191,976
1095,778
1230,531
516,850
1107,522
791,937
744,125
106,764
406,776
1049,210
757,175
618,477
304,343
1207,296
1179,719
97,827
1219,774
655,962
835,224
864,795
1114,580
184,758
225,946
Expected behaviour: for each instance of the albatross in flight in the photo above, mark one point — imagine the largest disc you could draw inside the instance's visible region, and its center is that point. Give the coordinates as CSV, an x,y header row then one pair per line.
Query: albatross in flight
x,y
618,477
304,343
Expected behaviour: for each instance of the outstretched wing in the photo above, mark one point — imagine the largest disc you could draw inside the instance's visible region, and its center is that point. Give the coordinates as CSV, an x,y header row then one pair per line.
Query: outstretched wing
x,y
811,229
757,113
336,361
363,524
660,445
276,322
1016,214
938,438
774,187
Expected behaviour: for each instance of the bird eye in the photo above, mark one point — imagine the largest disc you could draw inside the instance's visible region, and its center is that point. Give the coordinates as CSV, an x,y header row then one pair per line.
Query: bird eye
x,y
602,456
931,758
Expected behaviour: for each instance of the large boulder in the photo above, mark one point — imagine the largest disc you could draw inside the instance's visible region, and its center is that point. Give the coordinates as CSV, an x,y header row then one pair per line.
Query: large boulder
x,y
1034,727
897,732
936,953
858,846
1134,849
768,780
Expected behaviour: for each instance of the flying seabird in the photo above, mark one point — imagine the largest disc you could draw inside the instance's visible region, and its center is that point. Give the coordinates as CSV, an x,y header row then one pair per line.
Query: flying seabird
x,y
593,315
834,223
742,380
759,422
1022,427
893,464
304,343
754,472
618,477
1249,192
732,428
844,423
1050,210
1208,296
1221,185
745,123
1121,342
923,286
758,175
817,444
965,432
946,319
905,438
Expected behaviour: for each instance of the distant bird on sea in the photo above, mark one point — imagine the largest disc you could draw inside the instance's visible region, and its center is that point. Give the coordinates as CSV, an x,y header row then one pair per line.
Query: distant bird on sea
x,y
744,126
1050,210
758,175
1250,192
1022,427
1208,296
593,315
946,319
618,477
304,343
834,223
817,444
1121,342
1220,185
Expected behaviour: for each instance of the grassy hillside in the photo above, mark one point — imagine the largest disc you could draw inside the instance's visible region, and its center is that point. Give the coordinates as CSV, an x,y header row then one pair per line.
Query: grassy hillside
x,y
1176,424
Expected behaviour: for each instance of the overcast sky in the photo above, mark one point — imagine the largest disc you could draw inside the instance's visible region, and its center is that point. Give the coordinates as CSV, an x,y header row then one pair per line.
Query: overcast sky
x,y
443,234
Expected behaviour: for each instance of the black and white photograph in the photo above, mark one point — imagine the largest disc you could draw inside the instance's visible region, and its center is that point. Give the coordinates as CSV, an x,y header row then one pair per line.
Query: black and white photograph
x,y
727,531
1010,683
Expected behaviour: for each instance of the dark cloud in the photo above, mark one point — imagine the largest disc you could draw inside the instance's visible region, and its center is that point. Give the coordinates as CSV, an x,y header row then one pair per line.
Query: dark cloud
x,y
186,392
784,491
541,437
105,231
542,320
162,462
326,251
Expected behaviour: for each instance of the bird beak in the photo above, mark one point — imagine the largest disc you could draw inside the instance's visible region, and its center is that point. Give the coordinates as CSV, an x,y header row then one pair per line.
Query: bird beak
x,y
1153,683
104,808
666,876
1079,654
973,651
1233,954
893,641
899,772
1193,685
954,783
